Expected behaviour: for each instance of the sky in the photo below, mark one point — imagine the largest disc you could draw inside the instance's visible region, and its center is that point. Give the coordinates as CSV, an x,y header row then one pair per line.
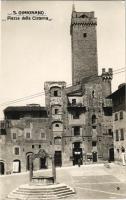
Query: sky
x,y
35,51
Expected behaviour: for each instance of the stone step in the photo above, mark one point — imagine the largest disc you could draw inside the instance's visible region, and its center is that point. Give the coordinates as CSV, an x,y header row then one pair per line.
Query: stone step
x,y
53,192
41,188
32,199
41,191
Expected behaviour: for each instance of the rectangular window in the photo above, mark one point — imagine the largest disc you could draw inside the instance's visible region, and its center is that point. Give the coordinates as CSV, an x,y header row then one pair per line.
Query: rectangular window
x,y
116,117
56,111
121,115
121,134
55,93
93,144
28,135
73,101
16,150
117,135
84,34
76,130
14,136
110,132
33,146
39,146
76,115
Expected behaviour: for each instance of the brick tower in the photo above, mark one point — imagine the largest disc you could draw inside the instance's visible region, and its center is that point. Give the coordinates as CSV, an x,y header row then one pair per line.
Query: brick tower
x,y
84,45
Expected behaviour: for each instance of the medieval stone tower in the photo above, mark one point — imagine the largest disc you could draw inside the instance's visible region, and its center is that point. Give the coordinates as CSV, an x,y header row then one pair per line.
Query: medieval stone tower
x,y
84,45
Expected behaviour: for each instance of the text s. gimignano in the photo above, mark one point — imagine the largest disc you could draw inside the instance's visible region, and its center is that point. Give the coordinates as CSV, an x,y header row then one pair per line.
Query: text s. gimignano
x,y
27,15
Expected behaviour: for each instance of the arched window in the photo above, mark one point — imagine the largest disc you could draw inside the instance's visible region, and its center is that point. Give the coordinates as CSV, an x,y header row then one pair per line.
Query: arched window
x,y
28,160
55,91
16,166
56,125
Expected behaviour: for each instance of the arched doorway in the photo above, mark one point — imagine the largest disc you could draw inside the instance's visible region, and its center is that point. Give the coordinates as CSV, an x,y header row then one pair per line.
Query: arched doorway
x,y
58,158
28,160
2,169
77,153
16,166
94,155
111,154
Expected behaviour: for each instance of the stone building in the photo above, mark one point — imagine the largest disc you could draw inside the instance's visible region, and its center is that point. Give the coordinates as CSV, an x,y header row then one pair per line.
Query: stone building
x,y
119,121
76,122
25,132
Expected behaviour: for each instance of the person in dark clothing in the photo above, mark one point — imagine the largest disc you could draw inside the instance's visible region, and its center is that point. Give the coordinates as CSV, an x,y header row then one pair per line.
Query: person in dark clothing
x,y
79,162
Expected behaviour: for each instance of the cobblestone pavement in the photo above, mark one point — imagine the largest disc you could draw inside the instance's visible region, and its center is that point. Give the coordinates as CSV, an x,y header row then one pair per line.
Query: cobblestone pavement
x,y
95,181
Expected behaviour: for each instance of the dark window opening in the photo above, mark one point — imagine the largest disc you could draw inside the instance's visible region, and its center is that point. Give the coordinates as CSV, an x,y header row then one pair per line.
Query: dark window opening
x,y
93,119
39,146
94,144
16,151
123,149
27,135
117,135
93,94
76,115
84,34
107,111
116,117
110,132
56,125
33,146
121,115
73,101
14,136
56,111
121,134
55,93
76,130
76,144
2,170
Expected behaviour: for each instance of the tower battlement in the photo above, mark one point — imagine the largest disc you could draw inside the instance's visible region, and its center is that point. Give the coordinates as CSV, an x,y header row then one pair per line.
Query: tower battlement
x,y
107,75
83,18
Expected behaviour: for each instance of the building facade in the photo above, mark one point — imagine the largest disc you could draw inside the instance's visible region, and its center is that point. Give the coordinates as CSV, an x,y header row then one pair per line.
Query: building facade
x,y
25,132
76,123
119,122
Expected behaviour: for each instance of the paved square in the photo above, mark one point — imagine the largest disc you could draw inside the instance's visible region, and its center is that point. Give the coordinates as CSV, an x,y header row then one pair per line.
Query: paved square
x,y
90,181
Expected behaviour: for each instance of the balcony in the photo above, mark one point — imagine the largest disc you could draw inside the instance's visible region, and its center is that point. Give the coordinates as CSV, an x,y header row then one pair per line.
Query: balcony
x,y
79,106
76,138
107,103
